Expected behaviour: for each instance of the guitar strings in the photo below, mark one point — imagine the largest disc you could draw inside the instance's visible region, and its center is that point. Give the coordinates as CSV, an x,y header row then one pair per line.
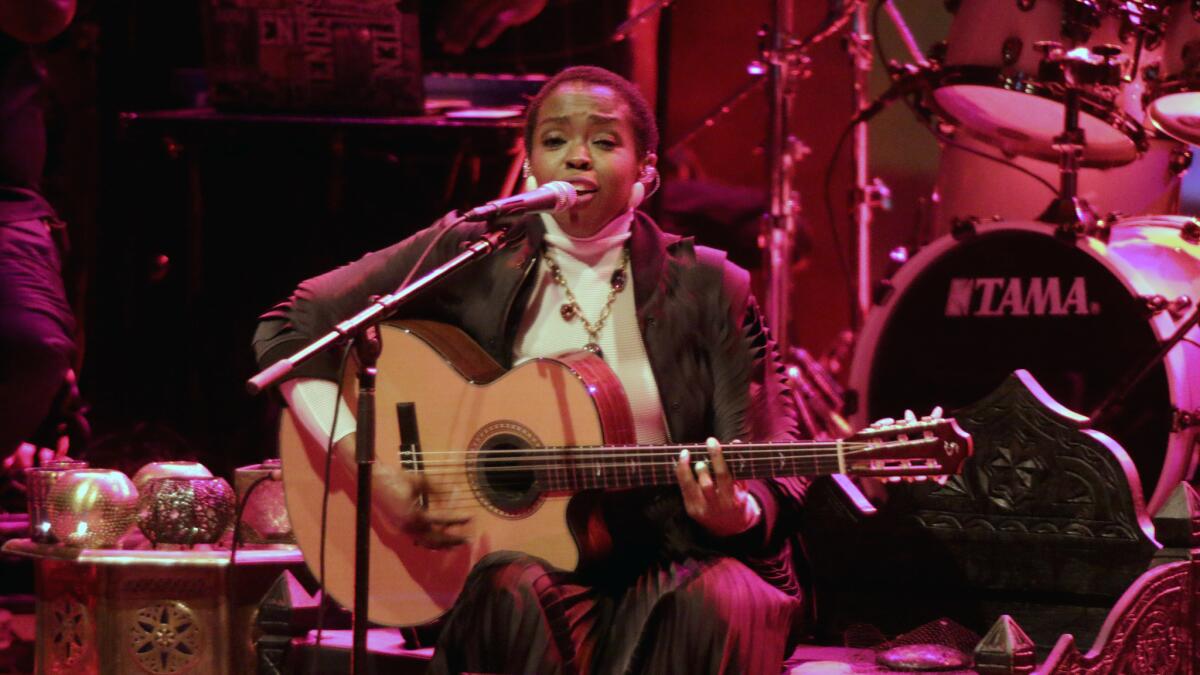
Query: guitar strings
x,y
774,447
464,493
463,489
620,452
461,494
577,477
452,468
825,461
560,460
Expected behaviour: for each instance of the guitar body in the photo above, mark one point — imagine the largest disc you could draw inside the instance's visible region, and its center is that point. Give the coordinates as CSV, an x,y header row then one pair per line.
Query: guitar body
x,y
467,408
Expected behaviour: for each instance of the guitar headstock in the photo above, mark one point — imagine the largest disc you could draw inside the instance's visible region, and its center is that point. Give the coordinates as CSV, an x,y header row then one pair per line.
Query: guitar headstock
x,y
927,448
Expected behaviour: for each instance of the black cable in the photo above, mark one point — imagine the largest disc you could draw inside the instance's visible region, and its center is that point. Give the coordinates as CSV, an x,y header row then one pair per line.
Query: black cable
x,y
237,523
875,33
942,138
428,249
325,511
237,530
827,192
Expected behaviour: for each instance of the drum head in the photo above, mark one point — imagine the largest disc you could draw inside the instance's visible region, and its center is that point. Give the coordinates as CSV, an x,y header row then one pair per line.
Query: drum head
x,y
1010,298
1025,123
1178,116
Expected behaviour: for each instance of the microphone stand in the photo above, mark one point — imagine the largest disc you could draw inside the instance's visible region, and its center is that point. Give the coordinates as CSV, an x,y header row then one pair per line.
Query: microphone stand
x,y
361,332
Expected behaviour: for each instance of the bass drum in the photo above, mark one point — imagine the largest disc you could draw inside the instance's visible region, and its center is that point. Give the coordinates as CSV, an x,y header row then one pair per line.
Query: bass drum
x,y
968,310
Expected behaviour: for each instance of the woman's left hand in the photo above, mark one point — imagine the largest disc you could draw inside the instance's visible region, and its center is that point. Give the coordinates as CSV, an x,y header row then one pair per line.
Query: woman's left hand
x,y
711,496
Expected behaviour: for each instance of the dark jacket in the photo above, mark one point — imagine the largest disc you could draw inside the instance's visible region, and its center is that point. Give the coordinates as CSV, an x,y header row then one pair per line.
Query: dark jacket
x,y
716,366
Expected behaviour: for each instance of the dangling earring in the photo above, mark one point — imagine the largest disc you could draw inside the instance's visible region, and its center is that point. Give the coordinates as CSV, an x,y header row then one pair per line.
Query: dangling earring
x,y
527,171
636,195
639,192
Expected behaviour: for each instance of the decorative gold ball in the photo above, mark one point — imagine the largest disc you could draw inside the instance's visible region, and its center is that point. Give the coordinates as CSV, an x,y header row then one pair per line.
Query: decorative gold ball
x,y
92,508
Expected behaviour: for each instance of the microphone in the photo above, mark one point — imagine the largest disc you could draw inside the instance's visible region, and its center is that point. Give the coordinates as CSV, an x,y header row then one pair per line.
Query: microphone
x,y
552,197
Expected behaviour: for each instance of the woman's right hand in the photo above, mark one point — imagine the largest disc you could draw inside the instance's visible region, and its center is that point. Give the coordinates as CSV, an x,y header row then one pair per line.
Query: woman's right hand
x,y
404,498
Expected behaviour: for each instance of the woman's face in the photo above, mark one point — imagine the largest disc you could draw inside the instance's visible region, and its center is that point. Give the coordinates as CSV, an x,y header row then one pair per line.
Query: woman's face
x,y
585,135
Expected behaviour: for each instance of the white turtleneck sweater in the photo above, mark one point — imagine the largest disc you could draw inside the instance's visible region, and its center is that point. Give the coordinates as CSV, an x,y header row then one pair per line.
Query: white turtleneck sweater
x,y
587,265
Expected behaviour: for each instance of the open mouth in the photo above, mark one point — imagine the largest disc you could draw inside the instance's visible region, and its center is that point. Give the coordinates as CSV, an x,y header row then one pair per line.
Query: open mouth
x,y
584,194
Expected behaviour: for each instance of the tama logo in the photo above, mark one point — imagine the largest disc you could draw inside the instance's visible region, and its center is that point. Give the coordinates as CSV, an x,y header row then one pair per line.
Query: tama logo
x,y
1016,296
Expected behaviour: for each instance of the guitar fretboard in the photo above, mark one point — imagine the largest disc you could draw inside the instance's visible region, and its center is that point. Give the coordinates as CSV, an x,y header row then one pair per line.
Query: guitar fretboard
x,y
585,468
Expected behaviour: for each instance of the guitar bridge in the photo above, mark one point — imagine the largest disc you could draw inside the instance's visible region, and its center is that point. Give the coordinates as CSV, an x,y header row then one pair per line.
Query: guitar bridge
x,y
410,438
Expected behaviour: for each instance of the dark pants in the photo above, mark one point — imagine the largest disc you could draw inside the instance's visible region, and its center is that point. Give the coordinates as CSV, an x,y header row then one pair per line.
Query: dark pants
x,y
36,326
519,615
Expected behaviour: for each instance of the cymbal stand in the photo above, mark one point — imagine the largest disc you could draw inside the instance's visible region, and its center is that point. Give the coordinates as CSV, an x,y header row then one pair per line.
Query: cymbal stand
x,y
783,64
1076,69
867,193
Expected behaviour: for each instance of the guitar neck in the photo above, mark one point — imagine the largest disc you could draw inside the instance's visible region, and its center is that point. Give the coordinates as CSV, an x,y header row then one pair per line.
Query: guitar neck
x,y
584,468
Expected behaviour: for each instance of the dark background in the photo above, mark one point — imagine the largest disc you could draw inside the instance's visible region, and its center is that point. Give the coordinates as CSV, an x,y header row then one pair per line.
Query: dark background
x,y
184,231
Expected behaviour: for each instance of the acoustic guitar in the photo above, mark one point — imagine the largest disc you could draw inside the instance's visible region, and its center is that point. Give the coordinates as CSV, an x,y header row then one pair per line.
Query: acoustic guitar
x,y
524,453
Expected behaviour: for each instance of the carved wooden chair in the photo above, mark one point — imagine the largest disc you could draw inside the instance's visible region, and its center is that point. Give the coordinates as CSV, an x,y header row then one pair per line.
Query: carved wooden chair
x,y
1042,544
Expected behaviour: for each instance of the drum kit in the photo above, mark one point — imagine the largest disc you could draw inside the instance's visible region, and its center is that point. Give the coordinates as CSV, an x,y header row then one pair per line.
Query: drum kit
x,y
1099,308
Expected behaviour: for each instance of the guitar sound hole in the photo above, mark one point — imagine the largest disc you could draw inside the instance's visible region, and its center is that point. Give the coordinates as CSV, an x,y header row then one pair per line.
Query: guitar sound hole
x,y
506,481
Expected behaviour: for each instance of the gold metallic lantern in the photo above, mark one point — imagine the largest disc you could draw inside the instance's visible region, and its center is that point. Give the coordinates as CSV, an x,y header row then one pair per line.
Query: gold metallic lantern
x,y
178,510
264,513
39,480
169,469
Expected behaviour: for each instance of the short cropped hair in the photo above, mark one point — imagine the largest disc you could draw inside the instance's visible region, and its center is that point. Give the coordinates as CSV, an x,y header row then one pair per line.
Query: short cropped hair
x,y
644,125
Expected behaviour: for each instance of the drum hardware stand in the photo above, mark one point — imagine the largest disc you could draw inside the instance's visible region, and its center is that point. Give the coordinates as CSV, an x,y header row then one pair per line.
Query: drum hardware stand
x,y
783,59
1185,419
1190,232
1156,304
1133,377
872,193
1181,160
964,227
1069,212
868,194
784,63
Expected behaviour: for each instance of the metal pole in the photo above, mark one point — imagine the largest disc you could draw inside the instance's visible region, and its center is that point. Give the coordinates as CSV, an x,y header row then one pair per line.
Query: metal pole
x,y
860,54
781,225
